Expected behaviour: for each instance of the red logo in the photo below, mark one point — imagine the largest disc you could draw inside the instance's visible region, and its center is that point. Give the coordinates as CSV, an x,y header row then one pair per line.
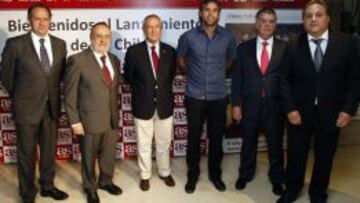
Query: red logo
x,y
130,150
180,132
1,156
9,137
5,104
179,100
64,152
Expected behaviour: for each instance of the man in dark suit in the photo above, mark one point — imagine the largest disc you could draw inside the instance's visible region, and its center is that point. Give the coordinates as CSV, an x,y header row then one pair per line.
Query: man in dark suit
x,y
321,93
32,65
91,86
150,68
256,99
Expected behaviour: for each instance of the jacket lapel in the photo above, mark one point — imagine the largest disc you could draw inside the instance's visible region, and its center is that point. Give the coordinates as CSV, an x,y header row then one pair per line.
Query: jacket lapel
x,y
253,56
55,53
33,54
328,56
275,55
305,52
163,57
95,65
145,55
116,70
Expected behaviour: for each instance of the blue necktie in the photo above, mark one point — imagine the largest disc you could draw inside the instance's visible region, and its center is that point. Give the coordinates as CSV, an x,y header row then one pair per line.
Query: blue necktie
x,y
44,57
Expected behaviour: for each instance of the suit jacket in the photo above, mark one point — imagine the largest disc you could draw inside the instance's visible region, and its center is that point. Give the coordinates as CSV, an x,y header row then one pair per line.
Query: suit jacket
x,y
31,89
150,93
248,81
336,85
88,99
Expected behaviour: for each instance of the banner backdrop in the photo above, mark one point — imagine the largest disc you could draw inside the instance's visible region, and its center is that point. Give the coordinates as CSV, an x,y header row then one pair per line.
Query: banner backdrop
x,y
72,21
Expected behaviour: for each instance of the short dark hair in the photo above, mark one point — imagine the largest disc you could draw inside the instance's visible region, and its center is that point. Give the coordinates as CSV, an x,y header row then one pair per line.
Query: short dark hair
x,y
206,2
266,10
98,24
320,2
38,5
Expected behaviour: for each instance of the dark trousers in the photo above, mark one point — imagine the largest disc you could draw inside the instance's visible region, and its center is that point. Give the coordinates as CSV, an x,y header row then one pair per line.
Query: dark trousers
x,y
299,140
214,112
28,136
101,146
268,118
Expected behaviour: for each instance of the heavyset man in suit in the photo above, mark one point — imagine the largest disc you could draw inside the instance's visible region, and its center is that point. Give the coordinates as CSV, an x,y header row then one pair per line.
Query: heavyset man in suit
x,y
204,53
91,86
150,68
321,93
256,99
32,66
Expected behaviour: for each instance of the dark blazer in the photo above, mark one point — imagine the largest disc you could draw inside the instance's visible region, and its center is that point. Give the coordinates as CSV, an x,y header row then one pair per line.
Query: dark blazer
x,y
248,81
26,81
150,93
336,85
88,99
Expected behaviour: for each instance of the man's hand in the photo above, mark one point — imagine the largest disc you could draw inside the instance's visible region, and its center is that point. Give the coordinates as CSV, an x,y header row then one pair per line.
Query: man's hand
x,y
294,117
343,120
78,129
236,114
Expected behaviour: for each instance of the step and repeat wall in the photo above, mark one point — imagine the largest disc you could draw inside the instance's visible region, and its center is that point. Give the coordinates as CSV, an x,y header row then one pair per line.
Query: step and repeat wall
x,y
72,21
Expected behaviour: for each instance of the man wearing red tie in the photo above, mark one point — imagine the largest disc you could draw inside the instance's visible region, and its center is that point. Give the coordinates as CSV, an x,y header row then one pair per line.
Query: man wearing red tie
x,y
256,100
150,68
91,86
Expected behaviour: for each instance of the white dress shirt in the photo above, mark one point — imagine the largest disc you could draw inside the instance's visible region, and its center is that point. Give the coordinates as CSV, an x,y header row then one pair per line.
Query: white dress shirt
x,y
47,43
323,45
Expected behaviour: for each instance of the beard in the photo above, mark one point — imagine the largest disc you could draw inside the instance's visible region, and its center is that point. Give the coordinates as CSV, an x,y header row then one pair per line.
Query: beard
x,y
210,23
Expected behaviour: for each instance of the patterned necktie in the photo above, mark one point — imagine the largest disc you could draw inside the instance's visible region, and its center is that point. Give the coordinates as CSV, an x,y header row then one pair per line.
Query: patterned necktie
x,y
318,55
264,62
106,72
155,59
44,57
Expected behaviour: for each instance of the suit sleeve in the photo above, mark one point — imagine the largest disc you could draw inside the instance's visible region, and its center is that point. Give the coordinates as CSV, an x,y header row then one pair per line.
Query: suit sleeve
x,y
285,81
8,64
237,78
72,79
353,80
129,67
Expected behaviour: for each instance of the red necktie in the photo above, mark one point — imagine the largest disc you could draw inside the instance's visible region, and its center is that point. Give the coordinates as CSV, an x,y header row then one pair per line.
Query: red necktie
x,y
155,58
106,72
264,62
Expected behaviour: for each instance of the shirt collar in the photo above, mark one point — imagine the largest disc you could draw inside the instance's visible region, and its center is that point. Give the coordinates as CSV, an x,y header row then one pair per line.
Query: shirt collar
x,y
260,40
36,37
157,45
97,54
324,36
